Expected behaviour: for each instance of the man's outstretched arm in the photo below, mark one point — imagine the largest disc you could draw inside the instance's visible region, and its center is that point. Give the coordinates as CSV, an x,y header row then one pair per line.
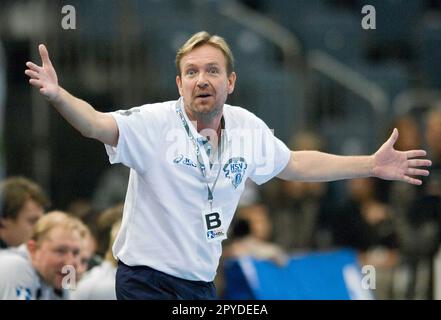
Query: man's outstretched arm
x,y
387,163
81,115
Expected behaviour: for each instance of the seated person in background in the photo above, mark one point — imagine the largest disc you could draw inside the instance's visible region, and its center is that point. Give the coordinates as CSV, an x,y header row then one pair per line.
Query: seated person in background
x,y
99,282
104,223
44,267
22,205
250,236
366,224
87,253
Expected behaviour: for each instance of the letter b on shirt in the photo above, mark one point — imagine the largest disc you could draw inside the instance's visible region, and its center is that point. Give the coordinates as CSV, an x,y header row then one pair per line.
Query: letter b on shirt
x,y
213,220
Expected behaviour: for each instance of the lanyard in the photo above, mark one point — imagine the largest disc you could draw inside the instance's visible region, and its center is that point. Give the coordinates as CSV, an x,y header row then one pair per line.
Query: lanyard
x,y
200,160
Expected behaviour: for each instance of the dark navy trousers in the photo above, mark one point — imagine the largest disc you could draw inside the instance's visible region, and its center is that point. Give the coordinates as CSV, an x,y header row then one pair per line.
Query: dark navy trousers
x,y
145,283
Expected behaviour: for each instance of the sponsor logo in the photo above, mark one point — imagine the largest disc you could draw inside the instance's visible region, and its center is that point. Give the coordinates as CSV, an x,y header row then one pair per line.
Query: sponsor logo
x,y
128,112
23,293
212,234
235,169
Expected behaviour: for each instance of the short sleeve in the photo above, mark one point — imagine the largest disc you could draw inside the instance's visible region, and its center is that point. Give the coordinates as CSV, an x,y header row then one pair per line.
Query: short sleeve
x,y
137,138
270,154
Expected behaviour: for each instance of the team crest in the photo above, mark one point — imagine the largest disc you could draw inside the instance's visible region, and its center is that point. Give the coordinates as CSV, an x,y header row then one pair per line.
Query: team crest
x,y
235,170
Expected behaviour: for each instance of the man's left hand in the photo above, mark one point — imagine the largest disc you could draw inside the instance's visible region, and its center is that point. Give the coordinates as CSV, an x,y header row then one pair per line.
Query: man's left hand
x,y
391,164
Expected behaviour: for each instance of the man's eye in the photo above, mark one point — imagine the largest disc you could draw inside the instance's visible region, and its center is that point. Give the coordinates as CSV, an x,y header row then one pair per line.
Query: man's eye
x,y
61,251
214,70
32,221
190,72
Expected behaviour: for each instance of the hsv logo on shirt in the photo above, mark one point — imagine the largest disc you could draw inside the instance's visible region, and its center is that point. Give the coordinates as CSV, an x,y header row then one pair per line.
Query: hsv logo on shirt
x,y
235,170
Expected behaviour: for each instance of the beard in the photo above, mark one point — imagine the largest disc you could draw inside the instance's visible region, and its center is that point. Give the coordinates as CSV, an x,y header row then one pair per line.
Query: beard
x,y
205,116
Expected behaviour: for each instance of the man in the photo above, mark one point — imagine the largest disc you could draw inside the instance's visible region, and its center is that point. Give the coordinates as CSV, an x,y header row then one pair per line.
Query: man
x,y
99,282
179,204
40,268
22,205
87,253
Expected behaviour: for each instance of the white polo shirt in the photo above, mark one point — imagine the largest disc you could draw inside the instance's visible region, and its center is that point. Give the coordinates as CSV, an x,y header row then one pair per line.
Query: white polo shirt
x,y
163,224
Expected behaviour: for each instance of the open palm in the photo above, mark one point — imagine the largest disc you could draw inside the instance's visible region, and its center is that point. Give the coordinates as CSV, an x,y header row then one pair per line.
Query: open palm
x,y
391,164
44,77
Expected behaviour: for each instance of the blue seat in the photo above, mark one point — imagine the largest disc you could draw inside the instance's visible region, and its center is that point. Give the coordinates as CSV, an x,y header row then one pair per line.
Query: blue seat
x,y
288,13
97,20
391,76
333,275
337,33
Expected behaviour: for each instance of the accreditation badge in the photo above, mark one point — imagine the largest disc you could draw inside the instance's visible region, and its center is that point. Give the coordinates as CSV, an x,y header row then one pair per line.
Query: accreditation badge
x,y
213,222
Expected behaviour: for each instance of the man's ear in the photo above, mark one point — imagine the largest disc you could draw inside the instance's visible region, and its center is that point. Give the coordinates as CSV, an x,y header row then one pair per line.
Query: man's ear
x,y
32,247
231,82
179,84
5,222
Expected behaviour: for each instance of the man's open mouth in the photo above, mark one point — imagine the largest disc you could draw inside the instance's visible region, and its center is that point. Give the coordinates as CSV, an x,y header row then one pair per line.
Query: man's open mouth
x,y
203,95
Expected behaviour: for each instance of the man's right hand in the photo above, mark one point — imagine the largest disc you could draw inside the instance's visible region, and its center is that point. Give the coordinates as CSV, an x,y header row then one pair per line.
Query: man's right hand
x,y
44,77
81,115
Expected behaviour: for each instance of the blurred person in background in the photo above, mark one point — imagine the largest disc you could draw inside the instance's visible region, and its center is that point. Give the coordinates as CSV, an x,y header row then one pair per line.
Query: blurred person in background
x,y
367,225
251,235
99,282
82,209
23,203
416,220
104,223
424,217
87,254
432,136
401,195
174,221
3,90
296,206
38,269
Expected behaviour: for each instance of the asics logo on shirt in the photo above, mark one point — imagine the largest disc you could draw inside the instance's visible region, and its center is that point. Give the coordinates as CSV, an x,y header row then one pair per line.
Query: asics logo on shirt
x,y
184,160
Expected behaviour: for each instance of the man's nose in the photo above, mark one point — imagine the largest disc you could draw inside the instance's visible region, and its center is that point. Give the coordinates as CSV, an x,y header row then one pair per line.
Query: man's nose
x,y
72,259
202,81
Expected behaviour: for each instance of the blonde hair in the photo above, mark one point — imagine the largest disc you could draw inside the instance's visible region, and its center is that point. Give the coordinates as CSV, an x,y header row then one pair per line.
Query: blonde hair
x,y
57,219
201,38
